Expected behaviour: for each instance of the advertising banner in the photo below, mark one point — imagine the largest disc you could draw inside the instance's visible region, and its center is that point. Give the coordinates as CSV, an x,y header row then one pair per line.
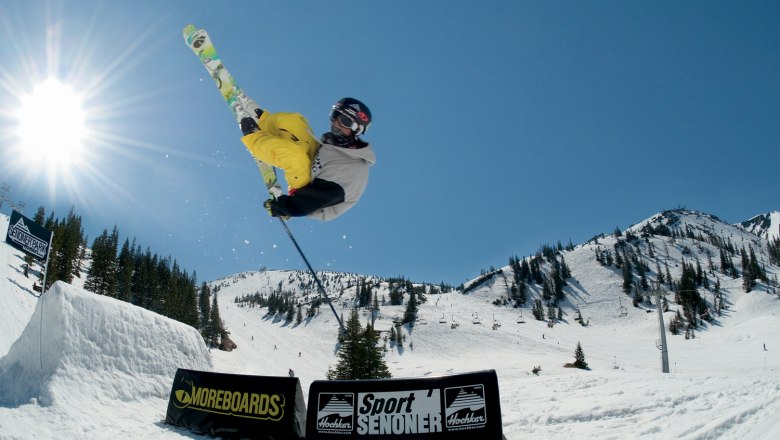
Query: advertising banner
x,y
237,406
464,406
28,236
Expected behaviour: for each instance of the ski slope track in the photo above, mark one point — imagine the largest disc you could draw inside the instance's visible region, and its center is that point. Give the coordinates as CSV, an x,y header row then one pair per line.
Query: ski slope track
x,y
102,368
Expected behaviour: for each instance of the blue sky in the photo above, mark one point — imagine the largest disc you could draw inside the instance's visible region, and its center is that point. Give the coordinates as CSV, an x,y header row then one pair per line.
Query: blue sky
x,y
498,126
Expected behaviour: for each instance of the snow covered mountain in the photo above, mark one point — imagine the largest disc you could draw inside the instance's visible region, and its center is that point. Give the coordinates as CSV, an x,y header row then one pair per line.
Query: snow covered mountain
x,y
723,382
764,225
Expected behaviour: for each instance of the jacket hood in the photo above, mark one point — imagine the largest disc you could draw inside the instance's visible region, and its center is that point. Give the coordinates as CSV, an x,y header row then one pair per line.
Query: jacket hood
x,y
365,153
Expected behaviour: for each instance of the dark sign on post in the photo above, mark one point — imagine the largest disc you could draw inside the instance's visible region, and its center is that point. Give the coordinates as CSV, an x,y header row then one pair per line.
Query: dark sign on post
x,y
463,406
237,406
27,236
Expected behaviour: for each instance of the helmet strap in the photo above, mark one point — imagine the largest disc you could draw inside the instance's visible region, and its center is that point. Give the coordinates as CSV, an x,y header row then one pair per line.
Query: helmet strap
x,y
338,139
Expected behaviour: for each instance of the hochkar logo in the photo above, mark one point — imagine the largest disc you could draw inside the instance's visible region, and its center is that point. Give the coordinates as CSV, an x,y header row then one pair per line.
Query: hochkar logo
x,y
231,403
20,234
465,407
336,412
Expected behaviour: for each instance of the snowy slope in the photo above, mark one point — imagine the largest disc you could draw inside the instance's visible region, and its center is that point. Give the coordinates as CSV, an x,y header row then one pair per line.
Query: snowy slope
x,y
764,225
16,294
723,384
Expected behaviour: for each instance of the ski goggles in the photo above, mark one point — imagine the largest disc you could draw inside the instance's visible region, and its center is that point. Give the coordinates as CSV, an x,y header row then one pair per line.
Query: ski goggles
x,y
344,119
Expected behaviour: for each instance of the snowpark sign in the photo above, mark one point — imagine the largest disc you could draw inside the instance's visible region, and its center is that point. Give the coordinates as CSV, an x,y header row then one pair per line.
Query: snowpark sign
x,y
464,406
27,236
237,406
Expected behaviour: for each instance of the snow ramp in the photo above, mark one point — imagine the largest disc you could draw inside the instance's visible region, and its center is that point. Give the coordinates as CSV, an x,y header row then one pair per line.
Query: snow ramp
x,y
79,345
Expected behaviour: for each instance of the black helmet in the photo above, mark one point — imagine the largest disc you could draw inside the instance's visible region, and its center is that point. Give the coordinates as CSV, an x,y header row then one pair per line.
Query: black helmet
x,y
354,114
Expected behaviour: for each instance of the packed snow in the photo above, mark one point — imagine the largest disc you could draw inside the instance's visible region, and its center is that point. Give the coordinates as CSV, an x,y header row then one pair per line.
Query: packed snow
x,y
77,365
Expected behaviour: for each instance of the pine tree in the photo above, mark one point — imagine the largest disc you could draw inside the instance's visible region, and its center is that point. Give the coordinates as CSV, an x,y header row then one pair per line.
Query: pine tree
x,y
521,296
124,281
102,275
699,274
181,297
392,333
349,351
565,271
724,262
525,271
579,358
375,366
65,248
396,295
558,283
618,259
538,310
358,356
290,313
547,292
204,305
643,284
628,277
752,271
637,297
399,336
659,275
410,314
215,329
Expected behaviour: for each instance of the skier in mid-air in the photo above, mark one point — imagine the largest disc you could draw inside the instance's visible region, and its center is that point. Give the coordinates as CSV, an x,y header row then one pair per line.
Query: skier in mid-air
x,y
325,177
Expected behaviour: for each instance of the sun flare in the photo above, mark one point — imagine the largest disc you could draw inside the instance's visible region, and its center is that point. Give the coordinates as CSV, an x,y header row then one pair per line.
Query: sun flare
x,y
51,127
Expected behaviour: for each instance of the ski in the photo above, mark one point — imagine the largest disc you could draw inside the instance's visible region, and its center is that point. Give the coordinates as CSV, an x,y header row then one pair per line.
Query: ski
x,y
199,41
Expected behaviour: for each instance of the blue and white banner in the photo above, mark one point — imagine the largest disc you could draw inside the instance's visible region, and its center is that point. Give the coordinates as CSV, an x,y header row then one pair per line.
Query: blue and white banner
x,y
27,236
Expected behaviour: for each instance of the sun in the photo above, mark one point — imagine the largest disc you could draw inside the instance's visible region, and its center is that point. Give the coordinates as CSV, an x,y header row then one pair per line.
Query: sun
x,y
52,125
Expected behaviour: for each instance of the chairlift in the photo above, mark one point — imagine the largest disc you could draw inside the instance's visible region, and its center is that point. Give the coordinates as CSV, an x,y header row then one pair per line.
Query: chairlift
x,y
476,319
520,319
442,320
496,323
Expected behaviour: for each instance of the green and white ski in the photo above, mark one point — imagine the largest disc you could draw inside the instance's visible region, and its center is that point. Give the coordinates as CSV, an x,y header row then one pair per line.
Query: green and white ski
x,y
241,105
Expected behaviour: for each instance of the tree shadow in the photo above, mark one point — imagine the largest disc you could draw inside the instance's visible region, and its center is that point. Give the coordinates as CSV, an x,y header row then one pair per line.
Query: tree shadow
x,y
25,289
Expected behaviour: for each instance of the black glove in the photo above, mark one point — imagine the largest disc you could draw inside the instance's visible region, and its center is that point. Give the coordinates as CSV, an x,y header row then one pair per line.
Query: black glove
x,y
248,125
272,206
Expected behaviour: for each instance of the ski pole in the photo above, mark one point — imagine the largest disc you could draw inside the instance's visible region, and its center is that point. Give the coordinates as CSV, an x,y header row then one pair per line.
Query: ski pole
x,y
314,274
